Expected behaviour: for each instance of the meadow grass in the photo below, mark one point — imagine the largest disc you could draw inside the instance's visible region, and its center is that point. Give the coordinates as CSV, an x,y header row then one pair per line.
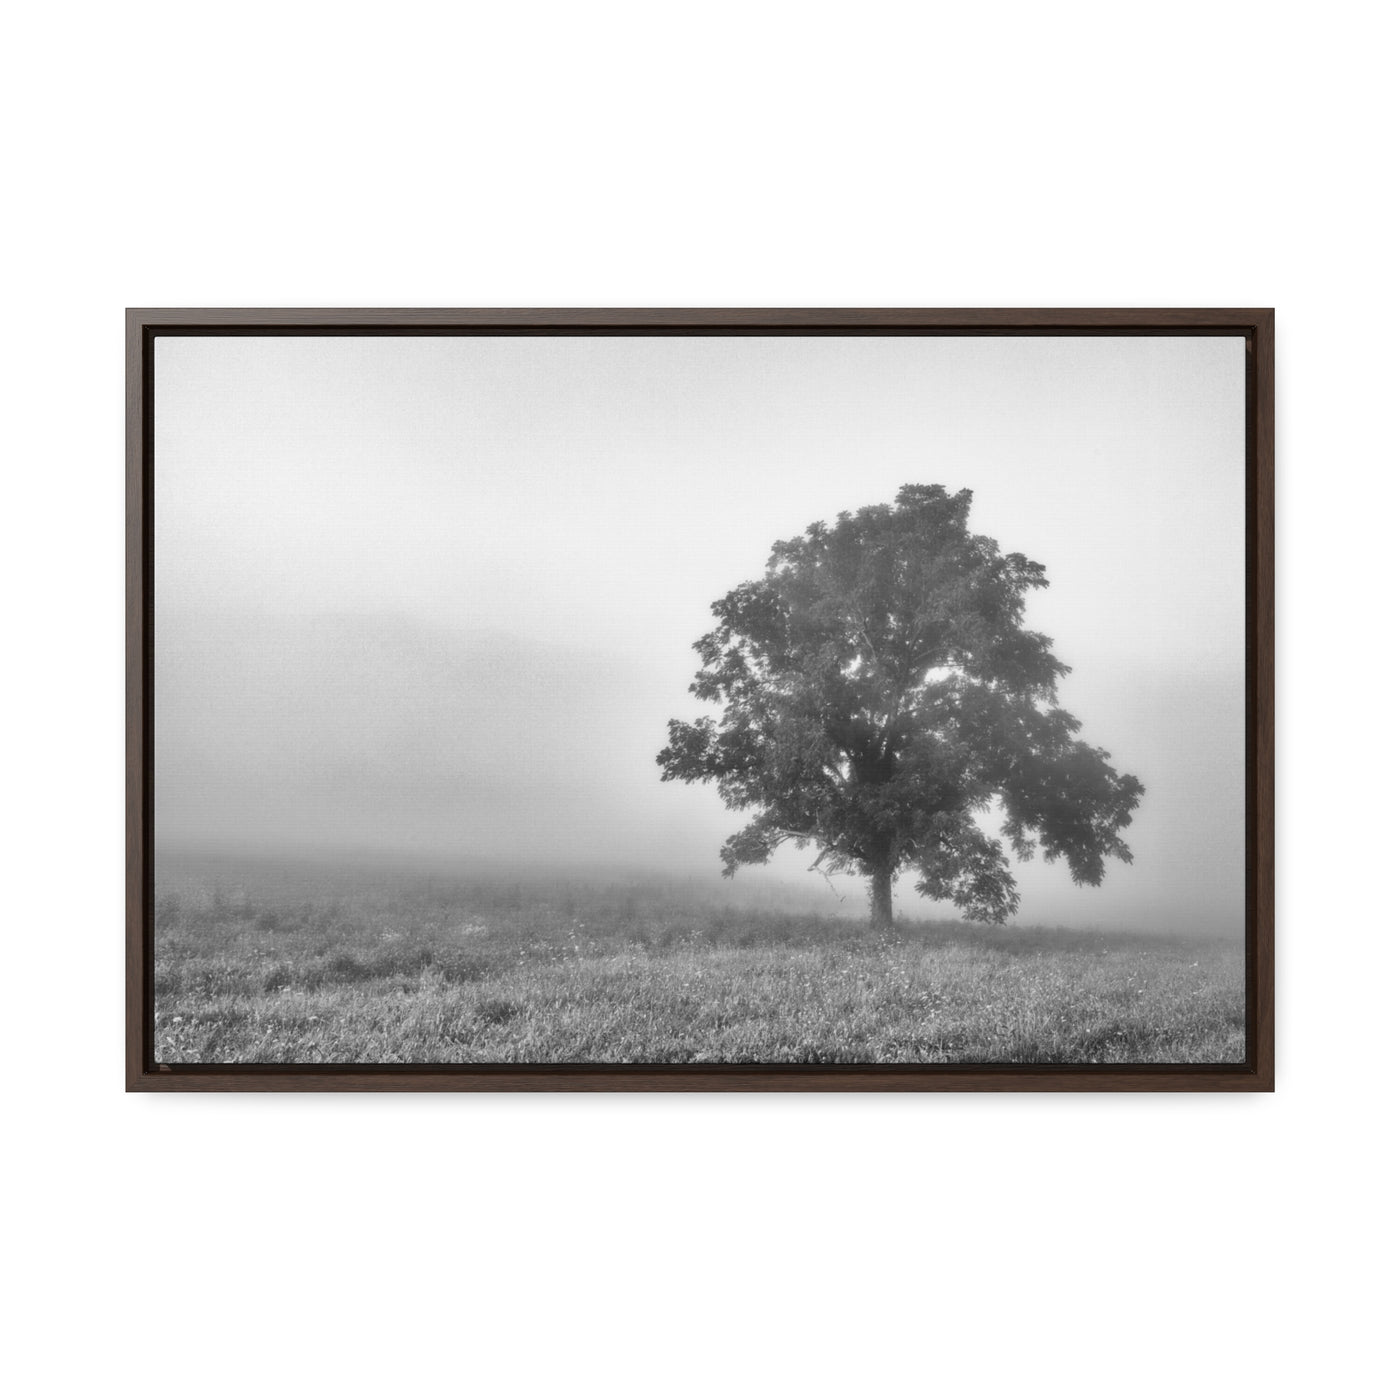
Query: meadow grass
x,y
420,970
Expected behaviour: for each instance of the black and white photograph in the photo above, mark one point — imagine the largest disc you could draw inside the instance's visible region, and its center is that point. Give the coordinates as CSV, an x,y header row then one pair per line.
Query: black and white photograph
x,y
699,699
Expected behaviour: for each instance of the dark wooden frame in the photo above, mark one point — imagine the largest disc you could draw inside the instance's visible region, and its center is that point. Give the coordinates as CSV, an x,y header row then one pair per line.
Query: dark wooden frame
x,y
1257,328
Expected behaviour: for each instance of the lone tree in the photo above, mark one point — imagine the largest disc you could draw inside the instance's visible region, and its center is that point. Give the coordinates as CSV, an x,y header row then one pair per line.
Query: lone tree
x,y
879,691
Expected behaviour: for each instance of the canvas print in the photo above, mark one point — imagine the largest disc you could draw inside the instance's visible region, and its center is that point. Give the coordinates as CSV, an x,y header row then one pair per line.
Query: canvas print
x,y
699,699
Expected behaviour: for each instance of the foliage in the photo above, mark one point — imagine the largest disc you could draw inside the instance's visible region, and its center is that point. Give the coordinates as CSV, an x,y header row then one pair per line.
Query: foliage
x,y
879,692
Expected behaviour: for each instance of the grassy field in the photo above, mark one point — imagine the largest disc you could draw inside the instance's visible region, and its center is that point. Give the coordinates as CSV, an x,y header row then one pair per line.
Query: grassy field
x,y
380,969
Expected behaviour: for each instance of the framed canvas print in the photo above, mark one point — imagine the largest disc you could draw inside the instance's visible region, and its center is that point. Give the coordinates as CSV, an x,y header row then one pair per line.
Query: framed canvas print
x,y
700,700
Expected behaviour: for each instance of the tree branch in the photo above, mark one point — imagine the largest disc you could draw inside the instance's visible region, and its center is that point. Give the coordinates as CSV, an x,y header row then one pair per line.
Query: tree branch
x,y
817,866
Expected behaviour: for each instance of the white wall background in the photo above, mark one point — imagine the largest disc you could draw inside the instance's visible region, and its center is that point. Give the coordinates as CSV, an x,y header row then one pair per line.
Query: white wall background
x,y
730,154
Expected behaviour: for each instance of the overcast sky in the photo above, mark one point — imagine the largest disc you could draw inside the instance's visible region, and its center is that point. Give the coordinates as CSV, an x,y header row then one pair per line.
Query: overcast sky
x,y
438,593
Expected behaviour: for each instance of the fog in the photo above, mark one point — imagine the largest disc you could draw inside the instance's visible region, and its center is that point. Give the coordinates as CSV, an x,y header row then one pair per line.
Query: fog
x,y
435,596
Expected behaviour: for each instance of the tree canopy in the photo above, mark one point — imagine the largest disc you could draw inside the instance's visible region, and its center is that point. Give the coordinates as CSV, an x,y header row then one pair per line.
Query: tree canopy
x,y
879,692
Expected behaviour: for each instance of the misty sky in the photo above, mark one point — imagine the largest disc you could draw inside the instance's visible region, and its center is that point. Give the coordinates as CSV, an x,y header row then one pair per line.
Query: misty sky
x,y
437,594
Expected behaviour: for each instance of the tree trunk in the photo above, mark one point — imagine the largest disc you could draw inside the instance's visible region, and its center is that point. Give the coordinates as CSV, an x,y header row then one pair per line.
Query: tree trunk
x,y
882,899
